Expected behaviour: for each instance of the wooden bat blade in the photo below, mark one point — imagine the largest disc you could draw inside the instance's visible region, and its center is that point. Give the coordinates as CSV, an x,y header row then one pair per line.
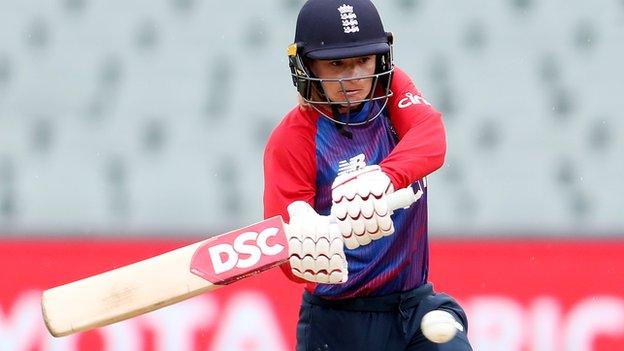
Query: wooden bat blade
x,y
122,293
144,286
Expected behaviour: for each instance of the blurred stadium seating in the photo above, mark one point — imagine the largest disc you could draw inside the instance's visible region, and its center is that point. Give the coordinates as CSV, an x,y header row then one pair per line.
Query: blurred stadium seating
x,y
151,116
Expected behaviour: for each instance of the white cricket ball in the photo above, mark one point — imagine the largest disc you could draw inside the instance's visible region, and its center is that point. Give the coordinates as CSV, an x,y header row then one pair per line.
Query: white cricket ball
x,y
439,326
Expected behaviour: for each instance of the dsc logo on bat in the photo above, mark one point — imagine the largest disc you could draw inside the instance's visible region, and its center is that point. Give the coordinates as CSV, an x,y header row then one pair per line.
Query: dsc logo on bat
x,y
225,256
237,254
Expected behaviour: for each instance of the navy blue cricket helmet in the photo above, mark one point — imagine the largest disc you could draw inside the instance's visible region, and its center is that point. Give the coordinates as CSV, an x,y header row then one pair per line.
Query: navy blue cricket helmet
x,y
339,29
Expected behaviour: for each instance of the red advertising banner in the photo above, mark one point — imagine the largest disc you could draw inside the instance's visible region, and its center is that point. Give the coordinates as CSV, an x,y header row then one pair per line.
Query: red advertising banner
x,y
537,295
258,313
519,296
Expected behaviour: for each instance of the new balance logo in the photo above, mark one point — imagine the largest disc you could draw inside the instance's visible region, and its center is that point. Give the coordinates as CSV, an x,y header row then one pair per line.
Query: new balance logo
x,y
351,165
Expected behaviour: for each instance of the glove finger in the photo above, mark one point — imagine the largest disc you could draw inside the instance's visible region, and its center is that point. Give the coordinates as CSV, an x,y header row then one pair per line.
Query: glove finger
x,y
339,210
337,277
363,239
336,247
322,248
308,227
371,225
322,269
294,247
363,187
385,223
353,207
358,227
345,227
308,248
337,194
322,263
381,206
380,182
338,269
388,230
367,207
373,228
335,231
293,229
322,277
376,236
307,275
351,242
308,265
349,190
295,265
336,263
378,187
322,228
391,231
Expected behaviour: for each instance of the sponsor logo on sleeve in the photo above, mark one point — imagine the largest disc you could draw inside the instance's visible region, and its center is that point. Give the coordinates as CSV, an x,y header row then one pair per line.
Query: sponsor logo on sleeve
x,y
412,99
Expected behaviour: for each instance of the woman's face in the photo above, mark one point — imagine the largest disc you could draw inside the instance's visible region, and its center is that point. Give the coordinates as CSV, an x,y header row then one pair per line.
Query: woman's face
x,y
355,89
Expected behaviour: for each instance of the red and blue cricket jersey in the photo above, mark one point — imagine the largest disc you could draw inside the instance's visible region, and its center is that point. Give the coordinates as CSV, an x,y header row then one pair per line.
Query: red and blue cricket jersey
x,y
306,152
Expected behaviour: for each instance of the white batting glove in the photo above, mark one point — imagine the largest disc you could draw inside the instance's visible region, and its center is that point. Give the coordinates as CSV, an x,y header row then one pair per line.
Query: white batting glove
x,y
315,246
360,206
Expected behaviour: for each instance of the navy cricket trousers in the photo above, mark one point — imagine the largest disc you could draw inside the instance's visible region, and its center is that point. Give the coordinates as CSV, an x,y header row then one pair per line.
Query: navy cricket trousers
x,y
385,323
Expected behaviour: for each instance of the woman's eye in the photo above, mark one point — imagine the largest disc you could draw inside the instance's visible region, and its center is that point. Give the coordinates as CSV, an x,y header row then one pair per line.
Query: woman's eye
x,y
336,63
364,59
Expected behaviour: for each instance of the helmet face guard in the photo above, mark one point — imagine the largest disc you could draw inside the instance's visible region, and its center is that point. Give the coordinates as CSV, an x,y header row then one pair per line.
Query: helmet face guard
x,y
312,91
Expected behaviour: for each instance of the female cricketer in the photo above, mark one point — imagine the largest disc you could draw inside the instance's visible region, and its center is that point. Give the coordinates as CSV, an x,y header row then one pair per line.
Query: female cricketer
x,y
361,130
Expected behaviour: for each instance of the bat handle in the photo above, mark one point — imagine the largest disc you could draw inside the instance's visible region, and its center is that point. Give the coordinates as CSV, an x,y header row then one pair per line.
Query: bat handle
x,y
402,198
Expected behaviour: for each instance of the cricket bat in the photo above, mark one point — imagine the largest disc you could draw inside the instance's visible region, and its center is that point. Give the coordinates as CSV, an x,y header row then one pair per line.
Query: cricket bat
x,y
174,276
